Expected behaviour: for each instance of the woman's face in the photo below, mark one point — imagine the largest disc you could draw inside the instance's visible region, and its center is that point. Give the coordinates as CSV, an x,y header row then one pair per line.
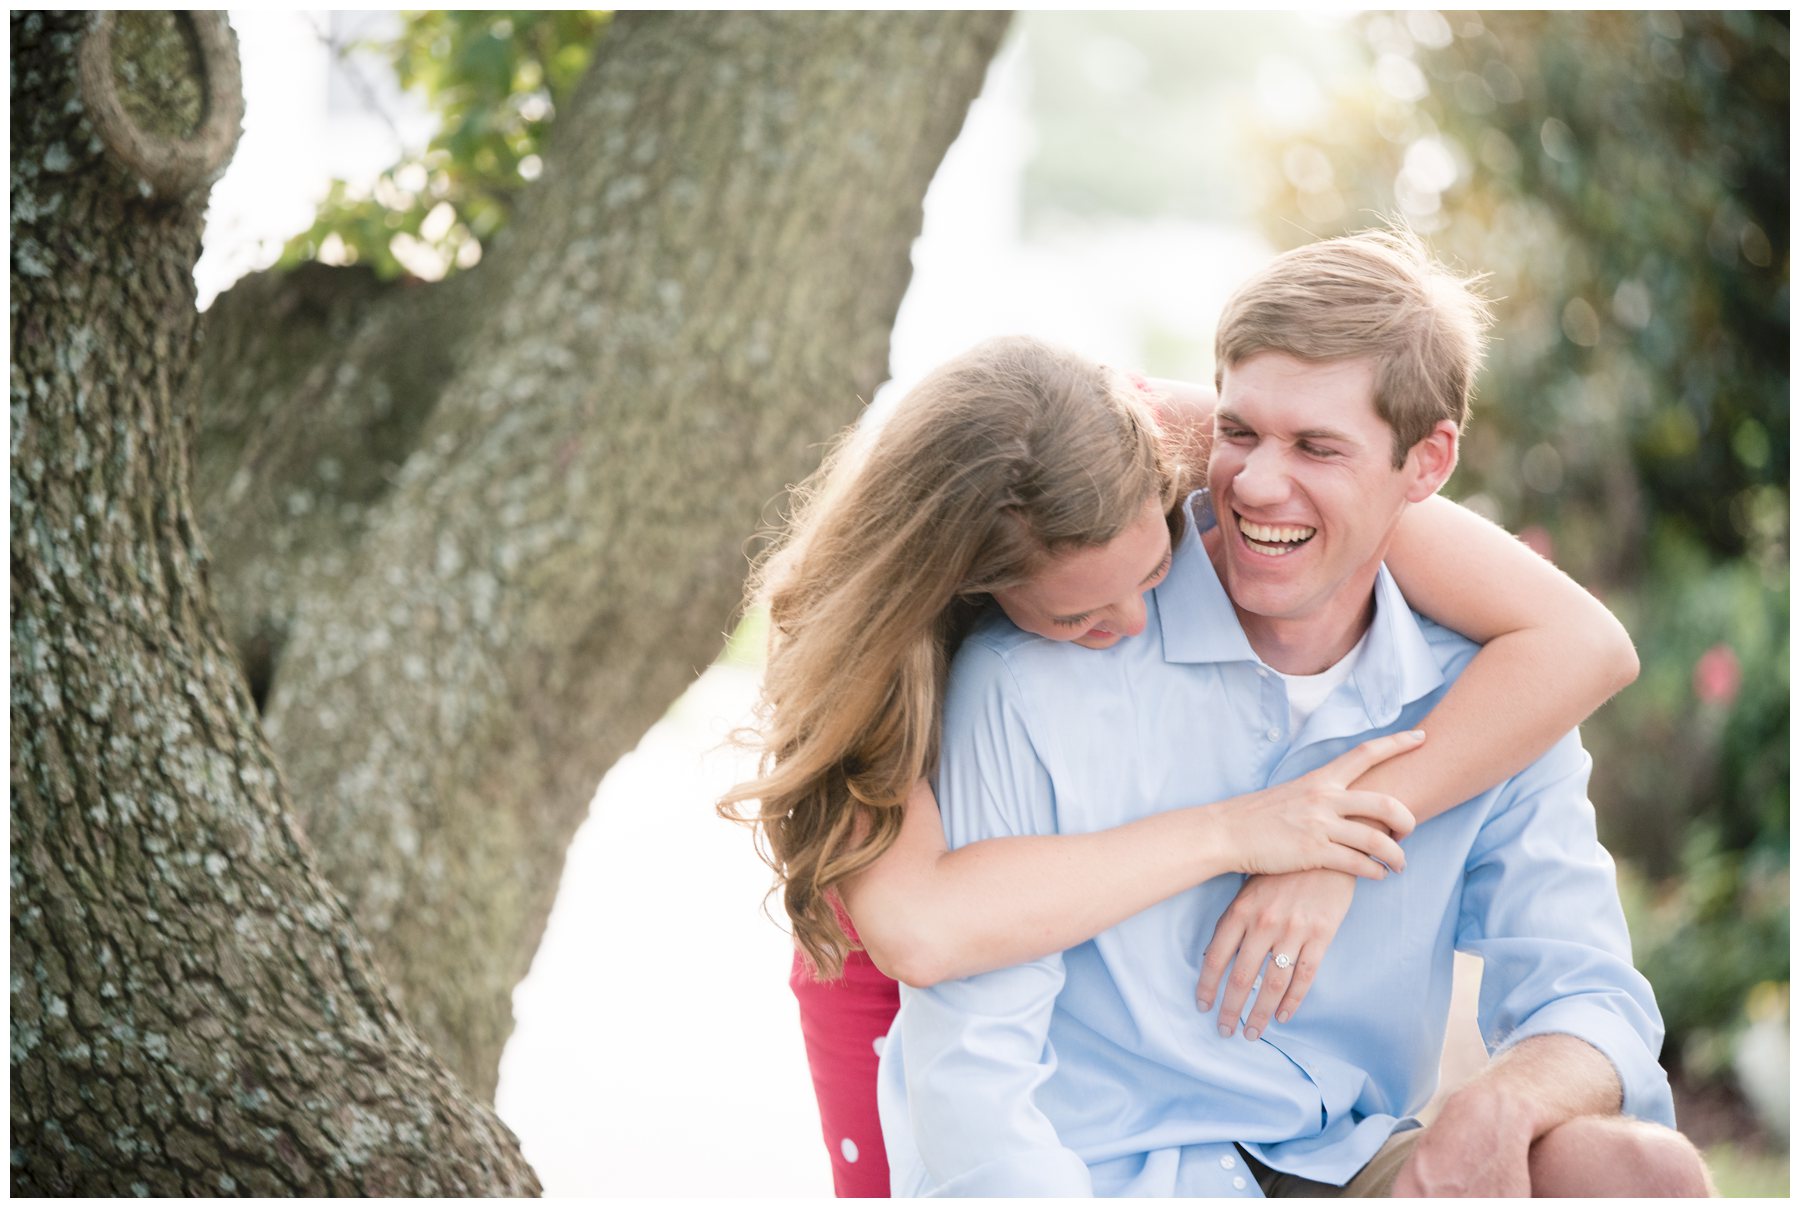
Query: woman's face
x,y
1095,597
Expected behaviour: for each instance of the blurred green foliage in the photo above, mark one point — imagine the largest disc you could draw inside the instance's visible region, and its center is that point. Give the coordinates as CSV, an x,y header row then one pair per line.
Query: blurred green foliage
x,y
494,81
1739,1172
746,644
1623,177
1135,114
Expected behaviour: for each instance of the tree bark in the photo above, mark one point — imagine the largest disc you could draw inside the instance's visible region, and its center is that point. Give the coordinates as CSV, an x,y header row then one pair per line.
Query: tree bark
x,y
193,1011
473,538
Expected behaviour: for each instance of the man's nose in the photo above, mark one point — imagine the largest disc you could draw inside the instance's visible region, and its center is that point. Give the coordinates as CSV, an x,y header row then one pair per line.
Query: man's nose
x,y
1261,480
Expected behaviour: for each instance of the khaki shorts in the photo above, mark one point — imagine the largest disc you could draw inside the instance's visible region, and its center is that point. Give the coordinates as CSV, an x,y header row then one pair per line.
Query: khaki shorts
x,y
1374,1181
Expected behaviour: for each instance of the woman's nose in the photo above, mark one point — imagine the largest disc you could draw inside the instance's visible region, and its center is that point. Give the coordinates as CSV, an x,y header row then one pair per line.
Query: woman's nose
x,y
1129,617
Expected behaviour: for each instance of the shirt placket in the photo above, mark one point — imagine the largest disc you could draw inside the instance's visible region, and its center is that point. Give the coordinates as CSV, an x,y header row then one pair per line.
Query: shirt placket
x,y
1227,1173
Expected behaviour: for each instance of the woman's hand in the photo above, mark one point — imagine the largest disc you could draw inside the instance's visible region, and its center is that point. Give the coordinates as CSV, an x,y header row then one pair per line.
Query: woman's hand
x,y
927,914
1297,916
1313,823
1316,821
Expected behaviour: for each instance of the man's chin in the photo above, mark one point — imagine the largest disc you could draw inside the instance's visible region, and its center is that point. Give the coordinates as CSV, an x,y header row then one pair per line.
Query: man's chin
x,y
1264,599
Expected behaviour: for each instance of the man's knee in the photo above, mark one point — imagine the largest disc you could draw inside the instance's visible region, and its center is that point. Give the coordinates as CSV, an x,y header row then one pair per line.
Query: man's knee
x,y
1614,1156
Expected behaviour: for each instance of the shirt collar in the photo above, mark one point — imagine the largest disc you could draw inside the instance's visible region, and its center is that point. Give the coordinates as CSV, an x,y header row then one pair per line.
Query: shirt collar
x,y
1199,625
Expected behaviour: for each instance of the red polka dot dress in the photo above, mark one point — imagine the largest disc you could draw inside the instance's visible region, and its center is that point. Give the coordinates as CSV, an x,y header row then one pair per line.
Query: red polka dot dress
x,y
845,1024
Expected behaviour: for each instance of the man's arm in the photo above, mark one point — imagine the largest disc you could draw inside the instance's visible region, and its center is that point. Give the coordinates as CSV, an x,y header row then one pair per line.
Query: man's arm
x,y
975,1051
1575,1028
1481,1141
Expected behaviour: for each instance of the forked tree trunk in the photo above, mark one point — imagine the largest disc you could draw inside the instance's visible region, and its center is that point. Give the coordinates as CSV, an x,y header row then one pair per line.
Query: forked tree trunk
x,y
470,540
474,538
192,1010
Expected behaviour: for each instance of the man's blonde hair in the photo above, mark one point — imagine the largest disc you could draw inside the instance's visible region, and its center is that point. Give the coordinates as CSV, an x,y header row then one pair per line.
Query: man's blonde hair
x,y
1376,294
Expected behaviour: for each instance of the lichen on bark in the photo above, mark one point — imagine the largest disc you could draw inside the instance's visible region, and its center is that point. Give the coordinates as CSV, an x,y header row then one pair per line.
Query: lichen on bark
x,y
157,69
530,543
193,1011
487,531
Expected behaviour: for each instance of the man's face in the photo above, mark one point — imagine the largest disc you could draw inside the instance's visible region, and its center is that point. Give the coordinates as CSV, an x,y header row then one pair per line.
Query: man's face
x,y
1305,488
1095,597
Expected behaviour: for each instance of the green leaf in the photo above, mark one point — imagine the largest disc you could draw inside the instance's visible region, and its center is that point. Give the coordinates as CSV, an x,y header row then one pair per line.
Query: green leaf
x,y
480,72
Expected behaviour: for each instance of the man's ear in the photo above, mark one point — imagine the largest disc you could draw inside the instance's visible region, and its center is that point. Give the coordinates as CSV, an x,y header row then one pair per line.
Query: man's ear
x,y
1430,461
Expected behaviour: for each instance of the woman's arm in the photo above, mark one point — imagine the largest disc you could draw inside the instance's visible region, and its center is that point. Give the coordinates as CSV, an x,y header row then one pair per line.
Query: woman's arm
x,y
926,914
1551,654
1185,410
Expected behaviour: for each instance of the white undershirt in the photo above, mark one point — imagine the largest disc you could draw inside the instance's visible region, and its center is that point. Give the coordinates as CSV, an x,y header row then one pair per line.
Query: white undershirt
x,y
1306,693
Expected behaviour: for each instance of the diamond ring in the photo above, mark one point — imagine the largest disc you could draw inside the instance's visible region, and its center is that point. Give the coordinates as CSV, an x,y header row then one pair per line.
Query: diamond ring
x,y
1283,960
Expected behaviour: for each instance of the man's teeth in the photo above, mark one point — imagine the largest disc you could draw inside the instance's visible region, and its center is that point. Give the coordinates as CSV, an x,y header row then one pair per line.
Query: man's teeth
x,y
1274,538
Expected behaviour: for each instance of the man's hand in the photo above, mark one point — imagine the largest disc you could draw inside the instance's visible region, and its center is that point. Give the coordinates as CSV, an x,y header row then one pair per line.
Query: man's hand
x,y
1480,1144
1474,1148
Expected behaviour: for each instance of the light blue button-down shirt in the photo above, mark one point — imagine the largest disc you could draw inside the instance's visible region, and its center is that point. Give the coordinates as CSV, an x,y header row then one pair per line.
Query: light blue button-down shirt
x,y
1092,1071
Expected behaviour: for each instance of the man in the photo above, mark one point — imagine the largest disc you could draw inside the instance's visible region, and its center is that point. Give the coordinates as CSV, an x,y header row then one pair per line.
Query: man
x,y
1276,642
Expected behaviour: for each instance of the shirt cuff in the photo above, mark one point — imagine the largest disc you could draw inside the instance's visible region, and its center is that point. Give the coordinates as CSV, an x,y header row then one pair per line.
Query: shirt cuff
x,y
1645,1083
1038,1172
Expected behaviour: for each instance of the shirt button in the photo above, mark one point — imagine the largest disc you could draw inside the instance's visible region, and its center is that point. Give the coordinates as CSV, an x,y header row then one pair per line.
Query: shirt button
x,y
1228,1162
1274,733
1238,1182
1263,672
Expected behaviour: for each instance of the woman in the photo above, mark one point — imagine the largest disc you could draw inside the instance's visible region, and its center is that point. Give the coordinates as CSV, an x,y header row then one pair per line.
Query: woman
x,y
995,473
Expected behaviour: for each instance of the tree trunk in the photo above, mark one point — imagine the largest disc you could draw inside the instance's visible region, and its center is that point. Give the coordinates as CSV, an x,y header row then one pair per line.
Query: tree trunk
x,y
193,1011
472,539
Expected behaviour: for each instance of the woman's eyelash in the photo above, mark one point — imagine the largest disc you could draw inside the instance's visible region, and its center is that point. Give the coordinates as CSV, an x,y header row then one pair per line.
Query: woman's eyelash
x,y
1161,568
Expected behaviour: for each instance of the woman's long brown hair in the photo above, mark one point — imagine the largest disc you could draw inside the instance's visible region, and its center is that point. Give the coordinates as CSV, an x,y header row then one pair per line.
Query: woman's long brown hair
x,y
1012,453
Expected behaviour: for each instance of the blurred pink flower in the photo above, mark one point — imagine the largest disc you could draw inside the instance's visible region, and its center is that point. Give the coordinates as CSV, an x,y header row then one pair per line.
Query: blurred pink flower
x,y
1717,675
1538,538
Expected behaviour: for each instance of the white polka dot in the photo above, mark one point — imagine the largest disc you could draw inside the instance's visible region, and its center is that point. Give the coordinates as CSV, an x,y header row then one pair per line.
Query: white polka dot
x,y
880,1044
849,1148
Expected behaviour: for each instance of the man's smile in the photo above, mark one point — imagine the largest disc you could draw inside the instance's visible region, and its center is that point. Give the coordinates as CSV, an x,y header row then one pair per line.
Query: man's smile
x,y
1273,540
